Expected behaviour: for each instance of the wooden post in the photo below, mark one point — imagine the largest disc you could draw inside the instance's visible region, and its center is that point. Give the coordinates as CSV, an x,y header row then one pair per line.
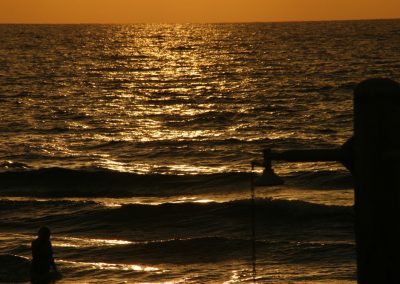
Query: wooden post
x,y
377,181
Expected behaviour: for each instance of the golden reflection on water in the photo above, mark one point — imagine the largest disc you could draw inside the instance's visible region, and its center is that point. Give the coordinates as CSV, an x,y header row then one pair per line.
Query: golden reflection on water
x,y
190,169
87,242
235,277
114,165
118,202
123,267
178,135
115,266
143,168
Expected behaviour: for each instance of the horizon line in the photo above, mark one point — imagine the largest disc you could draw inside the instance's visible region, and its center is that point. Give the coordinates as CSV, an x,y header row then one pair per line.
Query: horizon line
x,y
184,23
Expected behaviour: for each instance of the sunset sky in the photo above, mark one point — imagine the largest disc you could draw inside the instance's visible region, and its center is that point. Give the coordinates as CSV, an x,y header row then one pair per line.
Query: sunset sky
x,y
160,11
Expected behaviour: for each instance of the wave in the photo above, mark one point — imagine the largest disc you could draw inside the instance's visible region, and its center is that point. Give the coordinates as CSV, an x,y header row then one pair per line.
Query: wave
x,y
270,211
99,182
189,250
210,249
232,218
169,143
61,182
322,179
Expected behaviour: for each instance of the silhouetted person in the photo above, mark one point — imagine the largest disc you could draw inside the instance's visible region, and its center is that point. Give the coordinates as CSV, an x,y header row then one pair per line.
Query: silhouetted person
x,y
42,258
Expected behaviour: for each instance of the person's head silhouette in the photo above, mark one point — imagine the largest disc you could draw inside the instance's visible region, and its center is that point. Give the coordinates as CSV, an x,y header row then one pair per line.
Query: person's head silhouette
x,y
44,233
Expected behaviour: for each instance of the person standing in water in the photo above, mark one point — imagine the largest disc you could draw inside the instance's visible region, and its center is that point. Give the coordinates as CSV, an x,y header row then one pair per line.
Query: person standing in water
x,y
43,267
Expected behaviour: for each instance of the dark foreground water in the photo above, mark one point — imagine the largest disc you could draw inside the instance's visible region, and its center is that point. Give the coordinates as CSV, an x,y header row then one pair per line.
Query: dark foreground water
x,y
133,144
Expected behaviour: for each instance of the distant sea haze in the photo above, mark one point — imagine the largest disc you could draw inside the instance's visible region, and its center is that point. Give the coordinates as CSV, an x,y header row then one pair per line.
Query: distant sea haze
x,y
133,144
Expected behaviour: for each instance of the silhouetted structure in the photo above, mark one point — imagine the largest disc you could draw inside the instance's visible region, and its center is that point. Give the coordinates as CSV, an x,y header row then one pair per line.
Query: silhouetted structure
x,y
373,157
42,258
377,178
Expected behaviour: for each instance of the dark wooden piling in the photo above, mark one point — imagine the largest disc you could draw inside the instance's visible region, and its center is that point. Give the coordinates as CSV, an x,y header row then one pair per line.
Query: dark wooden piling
x,y
377,181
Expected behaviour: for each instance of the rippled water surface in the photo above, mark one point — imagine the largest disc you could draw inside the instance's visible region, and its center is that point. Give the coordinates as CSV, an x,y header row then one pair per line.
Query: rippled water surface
x,y
178,98
133,143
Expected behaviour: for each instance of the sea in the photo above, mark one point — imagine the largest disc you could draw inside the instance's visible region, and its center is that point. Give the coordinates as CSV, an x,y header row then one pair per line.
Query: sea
x,y
133,144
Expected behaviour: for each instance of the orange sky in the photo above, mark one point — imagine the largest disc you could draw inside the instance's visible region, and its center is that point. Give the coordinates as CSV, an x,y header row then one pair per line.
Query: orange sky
x,y
133,11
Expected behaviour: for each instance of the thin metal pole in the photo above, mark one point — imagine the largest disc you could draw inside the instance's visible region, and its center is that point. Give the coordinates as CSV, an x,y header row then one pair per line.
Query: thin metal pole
x,y
253,225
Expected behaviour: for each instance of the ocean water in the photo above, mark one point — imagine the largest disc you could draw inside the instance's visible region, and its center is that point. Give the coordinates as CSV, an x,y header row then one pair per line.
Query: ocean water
x,y
133,144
